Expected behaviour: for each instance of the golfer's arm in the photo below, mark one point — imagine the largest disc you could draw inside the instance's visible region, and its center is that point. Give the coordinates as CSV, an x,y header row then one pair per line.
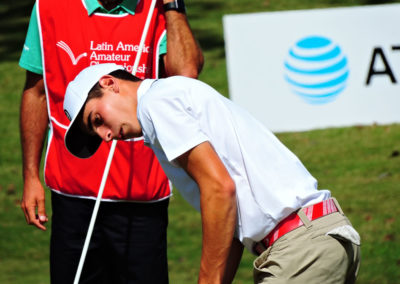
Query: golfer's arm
x,y
184,56
33,124
218,209
235,255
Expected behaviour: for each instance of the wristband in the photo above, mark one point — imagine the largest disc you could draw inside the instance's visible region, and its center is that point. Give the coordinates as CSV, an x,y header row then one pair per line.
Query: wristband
x,y
176,5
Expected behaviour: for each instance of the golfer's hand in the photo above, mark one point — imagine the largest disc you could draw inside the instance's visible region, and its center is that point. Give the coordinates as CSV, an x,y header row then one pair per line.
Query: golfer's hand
x,y
33,200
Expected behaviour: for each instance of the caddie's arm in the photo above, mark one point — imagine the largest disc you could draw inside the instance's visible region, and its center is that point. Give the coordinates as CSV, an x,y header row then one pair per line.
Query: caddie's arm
x,y
218,209
33,125
184,56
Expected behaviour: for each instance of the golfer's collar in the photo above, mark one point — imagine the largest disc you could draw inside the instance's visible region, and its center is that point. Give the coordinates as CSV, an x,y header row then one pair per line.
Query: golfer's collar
x,y
144,87
128,6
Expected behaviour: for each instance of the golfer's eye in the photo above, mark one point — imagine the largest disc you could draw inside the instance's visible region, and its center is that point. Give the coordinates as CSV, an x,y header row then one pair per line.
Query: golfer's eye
x,y
97,121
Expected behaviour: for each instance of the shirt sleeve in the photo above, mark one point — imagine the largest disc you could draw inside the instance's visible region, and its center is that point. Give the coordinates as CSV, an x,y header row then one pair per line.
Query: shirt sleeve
x,y
170,122
31,56
163,45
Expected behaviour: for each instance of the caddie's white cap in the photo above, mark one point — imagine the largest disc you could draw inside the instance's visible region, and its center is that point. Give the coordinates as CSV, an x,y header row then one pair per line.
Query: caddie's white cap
x,y
78,142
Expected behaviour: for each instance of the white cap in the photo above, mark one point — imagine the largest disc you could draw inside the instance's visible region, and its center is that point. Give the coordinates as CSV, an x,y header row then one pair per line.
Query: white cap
x,y
78,142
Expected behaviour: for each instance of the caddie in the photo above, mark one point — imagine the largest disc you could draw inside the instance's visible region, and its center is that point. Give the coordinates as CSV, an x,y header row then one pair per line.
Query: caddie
x,y
129,238
250,189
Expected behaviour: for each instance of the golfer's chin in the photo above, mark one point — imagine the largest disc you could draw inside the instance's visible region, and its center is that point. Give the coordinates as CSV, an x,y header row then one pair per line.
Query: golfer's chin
x,y
136,135
127,136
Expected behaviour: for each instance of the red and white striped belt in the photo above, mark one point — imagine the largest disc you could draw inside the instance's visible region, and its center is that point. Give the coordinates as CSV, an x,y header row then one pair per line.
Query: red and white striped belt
x,y
293,221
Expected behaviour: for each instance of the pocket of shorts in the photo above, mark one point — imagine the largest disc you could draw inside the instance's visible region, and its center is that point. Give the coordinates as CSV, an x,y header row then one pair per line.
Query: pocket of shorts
x,y
261,270
346,233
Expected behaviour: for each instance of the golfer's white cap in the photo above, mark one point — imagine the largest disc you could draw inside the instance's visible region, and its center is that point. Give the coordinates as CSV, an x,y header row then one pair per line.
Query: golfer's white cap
x,y
78,142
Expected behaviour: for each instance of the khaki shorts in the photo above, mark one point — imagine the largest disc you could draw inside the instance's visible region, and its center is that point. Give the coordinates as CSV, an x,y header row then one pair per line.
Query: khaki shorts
x,y
310,255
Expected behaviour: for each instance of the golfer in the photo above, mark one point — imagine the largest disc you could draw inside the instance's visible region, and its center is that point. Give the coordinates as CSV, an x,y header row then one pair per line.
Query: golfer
x,y
250,189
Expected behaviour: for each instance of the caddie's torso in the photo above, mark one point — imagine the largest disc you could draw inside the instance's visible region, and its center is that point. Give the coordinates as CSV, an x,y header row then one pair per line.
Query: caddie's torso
x,y
71,41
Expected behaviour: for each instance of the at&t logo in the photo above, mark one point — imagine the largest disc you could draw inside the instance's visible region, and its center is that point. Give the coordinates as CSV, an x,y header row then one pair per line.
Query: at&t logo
x,y
316,69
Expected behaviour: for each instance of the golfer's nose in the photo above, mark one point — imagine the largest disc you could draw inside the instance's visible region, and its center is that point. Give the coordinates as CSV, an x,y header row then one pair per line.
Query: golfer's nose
x,y
105,133
108,136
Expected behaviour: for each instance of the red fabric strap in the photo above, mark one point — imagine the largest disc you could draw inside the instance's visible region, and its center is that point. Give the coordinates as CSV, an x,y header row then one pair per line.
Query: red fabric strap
x,y
293,221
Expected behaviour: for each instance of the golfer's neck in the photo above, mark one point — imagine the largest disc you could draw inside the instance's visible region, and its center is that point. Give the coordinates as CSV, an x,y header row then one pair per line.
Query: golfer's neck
x,y
130,89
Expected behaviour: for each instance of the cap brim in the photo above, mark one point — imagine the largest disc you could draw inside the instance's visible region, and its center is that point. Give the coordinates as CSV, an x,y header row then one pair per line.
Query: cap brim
x,y
79,143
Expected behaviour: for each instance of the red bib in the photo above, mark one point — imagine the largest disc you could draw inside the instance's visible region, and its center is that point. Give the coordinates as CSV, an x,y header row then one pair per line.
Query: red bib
x,y
71,41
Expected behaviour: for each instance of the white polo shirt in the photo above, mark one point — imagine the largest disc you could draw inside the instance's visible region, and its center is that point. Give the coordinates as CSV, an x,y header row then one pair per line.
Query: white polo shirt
x,y
178,113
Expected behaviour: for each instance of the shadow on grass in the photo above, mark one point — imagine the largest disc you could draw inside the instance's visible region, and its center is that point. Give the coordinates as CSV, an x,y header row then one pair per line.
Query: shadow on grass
x,y
209,37
14,19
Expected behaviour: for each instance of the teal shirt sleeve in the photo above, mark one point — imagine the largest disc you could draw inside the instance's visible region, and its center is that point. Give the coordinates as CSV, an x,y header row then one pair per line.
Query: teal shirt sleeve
x,y
31,56
163,45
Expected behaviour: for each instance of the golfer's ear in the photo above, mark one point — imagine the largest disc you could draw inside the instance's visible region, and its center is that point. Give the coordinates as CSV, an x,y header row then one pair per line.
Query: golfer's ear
x,y
109,82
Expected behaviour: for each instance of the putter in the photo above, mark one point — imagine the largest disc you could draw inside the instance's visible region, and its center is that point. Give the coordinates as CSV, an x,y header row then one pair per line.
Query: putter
x,y
110,155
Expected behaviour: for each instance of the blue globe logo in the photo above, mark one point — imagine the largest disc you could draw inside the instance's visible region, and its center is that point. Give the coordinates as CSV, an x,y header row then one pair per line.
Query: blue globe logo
x,y
316,69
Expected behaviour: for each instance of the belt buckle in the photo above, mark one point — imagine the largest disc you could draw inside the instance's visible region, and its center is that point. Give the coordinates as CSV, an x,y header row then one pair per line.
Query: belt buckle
x,y
259,247
265,242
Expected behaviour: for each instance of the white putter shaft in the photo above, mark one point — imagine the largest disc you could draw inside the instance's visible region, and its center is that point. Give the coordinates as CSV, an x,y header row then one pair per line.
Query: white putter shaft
x,y
110,156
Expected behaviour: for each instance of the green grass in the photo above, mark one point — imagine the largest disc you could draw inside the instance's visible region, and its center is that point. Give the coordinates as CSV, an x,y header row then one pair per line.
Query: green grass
x,y
362,168
23,250
360,165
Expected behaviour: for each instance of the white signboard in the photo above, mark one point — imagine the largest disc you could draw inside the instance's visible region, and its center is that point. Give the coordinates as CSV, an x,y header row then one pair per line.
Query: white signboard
x,y
300,70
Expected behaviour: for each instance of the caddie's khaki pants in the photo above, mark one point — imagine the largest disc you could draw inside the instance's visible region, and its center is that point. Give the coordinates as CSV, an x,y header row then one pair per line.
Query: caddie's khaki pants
x,y
309,255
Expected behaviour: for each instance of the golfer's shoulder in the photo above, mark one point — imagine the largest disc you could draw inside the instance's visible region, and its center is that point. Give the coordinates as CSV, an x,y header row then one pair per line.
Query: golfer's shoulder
x,y
163,91
175,89
169,87
176,83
